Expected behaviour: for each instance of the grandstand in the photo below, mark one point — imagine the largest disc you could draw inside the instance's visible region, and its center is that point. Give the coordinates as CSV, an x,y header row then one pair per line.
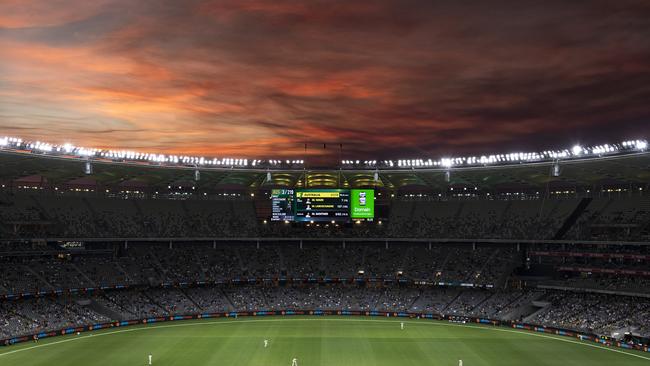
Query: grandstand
x,y
511,245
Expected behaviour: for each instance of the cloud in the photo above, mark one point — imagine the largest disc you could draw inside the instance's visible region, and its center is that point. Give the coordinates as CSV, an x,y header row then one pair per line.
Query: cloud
x,y
385,79
47,13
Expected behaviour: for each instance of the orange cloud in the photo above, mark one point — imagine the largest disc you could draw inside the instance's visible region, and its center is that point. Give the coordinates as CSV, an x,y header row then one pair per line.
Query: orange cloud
x,y
262,78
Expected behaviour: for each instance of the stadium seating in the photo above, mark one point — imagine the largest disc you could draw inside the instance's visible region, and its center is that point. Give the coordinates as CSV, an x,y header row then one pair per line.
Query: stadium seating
x,y
27,215
577,284
598,313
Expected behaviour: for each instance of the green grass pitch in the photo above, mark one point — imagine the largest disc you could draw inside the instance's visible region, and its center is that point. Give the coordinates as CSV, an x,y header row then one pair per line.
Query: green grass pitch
x,y
335,341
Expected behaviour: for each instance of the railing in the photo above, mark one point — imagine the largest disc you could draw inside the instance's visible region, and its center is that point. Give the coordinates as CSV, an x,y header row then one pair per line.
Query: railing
x,y
329,239
250,281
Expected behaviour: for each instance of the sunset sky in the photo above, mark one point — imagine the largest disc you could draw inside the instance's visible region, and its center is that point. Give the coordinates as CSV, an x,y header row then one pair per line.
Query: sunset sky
x,y
261,78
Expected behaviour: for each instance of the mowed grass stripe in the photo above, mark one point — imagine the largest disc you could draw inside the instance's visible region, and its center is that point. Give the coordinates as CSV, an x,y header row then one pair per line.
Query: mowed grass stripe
x,y
319,340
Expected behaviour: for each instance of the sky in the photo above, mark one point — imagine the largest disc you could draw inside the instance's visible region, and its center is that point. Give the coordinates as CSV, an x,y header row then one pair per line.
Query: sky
x,y
381,79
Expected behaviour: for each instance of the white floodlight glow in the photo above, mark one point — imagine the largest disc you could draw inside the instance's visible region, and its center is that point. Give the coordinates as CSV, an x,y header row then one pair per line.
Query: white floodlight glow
x,y
576,150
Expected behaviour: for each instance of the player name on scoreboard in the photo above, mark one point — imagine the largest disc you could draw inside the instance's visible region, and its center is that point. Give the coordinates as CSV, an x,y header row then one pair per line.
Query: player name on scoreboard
x,y
323,205
282,205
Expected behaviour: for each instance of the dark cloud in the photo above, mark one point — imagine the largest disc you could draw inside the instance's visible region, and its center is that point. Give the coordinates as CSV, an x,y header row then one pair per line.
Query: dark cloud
x,y
384,78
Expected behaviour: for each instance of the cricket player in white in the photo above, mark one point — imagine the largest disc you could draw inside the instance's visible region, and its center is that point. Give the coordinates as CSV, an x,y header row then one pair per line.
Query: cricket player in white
x,y
294,362
150,357
401,325
460,362
266,343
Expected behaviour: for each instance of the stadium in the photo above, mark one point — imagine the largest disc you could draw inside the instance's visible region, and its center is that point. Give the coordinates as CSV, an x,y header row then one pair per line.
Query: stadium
x,y
324,183
172,255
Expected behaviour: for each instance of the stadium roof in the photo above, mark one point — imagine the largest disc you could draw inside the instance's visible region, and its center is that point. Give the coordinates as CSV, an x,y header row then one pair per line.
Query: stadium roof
x,y
608,171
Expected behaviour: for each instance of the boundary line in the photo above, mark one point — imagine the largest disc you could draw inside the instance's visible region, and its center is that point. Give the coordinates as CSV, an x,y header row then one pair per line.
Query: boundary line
x,y
319,318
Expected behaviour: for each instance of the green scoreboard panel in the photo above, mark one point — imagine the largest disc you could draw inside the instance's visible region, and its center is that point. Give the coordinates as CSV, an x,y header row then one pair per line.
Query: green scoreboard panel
x,y
362,203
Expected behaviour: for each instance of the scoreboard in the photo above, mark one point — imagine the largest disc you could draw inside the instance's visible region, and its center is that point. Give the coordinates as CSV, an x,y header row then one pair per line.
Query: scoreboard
x,y
282,204
307,205
322,205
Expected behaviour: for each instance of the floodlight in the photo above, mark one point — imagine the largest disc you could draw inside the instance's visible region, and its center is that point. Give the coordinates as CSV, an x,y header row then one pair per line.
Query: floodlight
x,y
576,150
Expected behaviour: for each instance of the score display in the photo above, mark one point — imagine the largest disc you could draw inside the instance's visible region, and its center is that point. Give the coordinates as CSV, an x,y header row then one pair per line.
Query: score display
x,y
282,204
320,205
